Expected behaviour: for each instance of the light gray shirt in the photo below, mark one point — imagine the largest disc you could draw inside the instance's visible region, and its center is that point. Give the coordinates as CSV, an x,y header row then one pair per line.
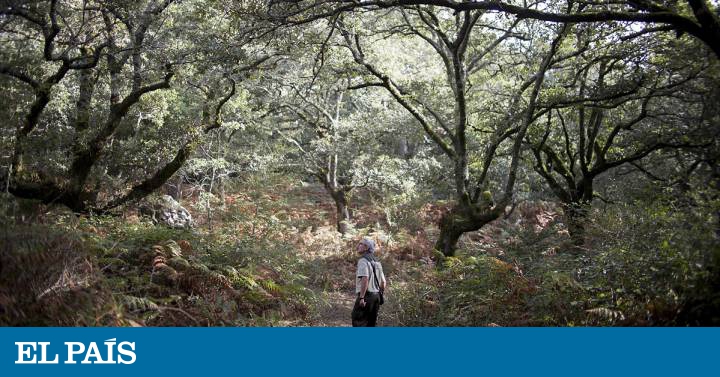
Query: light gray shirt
x,y
364,269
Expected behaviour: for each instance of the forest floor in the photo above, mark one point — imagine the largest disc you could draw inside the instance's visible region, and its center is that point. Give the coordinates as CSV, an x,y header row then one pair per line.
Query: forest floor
x,y
263,255
270,256
329,259
335,309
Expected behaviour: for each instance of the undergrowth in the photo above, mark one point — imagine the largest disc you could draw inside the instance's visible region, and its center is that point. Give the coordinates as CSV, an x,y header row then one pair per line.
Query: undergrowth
x,y
64,270
272,257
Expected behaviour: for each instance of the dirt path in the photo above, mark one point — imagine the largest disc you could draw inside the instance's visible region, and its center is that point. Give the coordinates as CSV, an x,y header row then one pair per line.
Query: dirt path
x,y
335,309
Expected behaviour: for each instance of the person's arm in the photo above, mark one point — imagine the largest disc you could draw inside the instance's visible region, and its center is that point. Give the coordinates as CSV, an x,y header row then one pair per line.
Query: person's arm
x,y
363,289
363,275
383,282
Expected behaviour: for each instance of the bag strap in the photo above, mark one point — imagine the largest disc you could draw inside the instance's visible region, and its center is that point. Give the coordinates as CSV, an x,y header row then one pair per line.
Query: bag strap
x,y
372,265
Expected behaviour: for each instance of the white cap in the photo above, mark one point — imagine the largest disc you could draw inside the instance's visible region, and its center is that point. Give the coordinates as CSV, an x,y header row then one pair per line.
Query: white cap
x,y
369,243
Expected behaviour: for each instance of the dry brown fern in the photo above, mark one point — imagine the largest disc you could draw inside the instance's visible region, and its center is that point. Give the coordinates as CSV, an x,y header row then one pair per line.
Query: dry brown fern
x,y
48,278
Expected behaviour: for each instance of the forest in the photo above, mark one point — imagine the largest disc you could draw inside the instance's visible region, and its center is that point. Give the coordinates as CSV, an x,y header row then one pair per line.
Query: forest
x,y
215,162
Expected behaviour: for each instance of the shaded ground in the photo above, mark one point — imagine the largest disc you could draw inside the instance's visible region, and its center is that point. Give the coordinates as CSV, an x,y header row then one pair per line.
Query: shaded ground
x,y
335,309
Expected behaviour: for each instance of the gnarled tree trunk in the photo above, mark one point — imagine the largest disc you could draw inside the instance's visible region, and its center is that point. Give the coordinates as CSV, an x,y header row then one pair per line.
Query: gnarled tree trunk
x,y
464,217
576,215
343,223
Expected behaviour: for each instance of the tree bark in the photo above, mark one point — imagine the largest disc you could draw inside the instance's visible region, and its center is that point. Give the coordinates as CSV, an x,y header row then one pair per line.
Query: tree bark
x,y
576,215
462,218
343,221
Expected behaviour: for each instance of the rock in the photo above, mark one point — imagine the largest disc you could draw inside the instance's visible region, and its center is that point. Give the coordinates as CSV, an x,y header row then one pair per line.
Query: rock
x,y
165,210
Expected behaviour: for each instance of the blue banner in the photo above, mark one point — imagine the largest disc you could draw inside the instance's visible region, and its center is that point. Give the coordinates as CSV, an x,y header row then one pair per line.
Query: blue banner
x,y
346,351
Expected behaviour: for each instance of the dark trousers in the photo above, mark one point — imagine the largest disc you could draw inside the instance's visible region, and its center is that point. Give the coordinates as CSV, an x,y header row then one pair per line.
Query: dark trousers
x,y
366,316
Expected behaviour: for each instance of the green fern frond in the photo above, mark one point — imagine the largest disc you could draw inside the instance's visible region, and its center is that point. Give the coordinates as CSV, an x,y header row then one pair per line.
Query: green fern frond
x,y
134,304
271,286
247,281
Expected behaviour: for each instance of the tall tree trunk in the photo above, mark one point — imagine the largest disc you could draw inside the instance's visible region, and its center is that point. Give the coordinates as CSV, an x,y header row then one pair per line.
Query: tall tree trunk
x,y
343,222
578,209
576,215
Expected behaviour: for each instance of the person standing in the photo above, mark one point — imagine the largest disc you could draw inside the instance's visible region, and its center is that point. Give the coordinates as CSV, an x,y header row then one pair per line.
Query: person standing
x,y
370,283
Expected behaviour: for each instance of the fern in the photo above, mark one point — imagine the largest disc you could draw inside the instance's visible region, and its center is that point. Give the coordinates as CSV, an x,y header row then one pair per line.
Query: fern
x,y
271,286
168,249
137,304
199,278
249,281
606,314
